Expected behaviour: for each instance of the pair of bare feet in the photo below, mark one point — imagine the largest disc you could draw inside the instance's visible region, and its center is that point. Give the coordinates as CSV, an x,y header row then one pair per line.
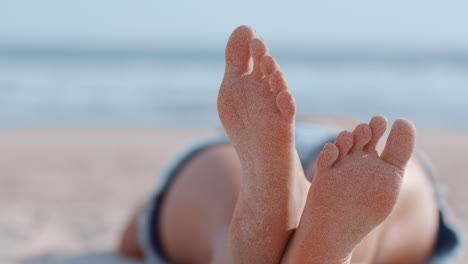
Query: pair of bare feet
x,y
279,215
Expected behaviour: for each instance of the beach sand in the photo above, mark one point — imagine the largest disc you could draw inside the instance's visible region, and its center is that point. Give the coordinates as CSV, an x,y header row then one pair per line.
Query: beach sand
x,y
71,190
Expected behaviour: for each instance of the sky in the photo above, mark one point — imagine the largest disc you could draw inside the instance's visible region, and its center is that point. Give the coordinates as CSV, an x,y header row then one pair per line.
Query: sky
x,y
417,23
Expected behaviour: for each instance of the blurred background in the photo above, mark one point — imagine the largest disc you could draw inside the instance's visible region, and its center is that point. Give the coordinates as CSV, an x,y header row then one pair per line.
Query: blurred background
x,y
160,63
97,96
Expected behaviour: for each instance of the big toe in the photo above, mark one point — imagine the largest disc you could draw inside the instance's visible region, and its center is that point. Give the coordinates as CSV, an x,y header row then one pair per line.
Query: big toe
x,y
400,143
237,50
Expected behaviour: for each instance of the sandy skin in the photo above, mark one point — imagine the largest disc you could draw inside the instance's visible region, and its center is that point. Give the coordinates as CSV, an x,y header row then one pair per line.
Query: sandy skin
x,y
263,210
257,112
353,191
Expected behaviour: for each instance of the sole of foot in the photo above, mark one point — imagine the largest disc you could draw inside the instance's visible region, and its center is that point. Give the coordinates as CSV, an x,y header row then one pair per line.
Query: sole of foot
x,y
257,111
353,191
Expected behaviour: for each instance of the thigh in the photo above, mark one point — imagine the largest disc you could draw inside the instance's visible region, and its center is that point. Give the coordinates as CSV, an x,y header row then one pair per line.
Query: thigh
x,y
199,205
409,233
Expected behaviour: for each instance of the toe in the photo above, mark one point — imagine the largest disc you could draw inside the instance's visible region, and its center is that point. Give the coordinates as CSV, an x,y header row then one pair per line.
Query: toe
x,y
277,82
258,50
378,125
362,135
327,156
286,104
400,143
269,65
238,50
344,142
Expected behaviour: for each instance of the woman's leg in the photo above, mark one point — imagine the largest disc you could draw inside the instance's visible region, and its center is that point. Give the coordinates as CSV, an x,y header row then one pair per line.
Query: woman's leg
x,y
258,111
206,189
408,235
197,210
198,207
129,244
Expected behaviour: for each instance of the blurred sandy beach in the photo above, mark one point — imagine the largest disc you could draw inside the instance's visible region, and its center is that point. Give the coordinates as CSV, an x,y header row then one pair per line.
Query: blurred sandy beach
x,y
70,190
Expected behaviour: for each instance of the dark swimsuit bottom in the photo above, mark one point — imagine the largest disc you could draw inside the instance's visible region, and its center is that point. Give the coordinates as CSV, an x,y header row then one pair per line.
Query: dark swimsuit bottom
x,y
309,141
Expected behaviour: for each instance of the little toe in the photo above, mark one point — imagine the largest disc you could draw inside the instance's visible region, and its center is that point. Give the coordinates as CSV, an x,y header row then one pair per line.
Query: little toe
x,y
344,142
286,104
269,65
327,156
238,50
362,135
378,125
277,81
258,50
400,143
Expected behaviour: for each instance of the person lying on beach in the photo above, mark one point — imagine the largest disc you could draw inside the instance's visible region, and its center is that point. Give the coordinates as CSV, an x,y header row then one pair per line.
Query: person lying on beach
x,y
276,191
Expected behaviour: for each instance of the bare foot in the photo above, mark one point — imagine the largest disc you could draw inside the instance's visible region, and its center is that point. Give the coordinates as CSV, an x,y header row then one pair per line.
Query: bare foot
x,y
257,111
353,191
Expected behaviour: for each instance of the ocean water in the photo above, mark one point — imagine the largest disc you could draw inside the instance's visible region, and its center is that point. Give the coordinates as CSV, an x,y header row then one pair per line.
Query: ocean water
x,y
166,87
